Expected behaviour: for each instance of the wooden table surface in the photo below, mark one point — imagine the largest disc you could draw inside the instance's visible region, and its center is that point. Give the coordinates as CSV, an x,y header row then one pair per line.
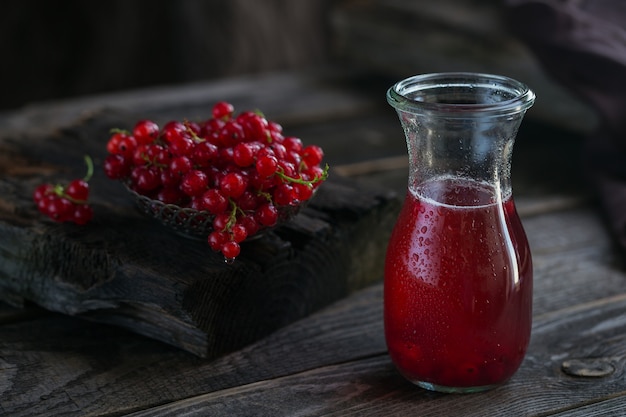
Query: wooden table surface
x,y
334,362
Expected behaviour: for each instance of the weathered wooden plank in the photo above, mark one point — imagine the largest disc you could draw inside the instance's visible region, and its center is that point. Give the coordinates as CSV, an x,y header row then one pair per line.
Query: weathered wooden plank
x,y
60,365
64,366
348,331
288,97
613,407
125,269
371,386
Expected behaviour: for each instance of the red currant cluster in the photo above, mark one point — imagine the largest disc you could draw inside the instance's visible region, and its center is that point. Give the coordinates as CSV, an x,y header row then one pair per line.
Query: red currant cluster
x,y
66,203
240,168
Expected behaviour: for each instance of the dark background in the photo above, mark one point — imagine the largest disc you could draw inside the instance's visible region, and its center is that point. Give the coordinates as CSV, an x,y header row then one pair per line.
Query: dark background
x,y
57,49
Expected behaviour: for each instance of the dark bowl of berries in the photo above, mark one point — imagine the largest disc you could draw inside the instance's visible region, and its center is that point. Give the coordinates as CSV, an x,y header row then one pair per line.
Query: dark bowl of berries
x,y
226,179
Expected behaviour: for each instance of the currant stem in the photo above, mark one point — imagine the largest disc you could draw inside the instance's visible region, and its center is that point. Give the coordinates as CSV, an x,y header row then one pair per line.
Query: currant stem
x,y
322,177
89,163
232,217
59,190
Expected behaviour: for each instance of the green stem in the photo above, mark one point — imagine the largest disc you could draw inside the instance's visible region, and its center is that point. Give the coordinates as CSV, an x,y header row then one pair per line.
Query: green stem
x,y
323,177
89,163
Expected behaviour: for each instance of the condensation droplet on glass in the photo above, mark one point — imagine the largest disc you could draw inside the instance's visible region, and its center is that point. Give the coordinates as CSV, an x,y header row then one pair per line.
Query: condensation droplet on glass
x,y
424,229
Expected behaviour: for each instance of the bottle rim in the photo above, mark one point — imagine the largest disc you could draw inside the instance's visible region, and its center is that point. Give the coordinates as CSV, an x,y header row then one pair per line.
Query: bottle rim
x,y
483,94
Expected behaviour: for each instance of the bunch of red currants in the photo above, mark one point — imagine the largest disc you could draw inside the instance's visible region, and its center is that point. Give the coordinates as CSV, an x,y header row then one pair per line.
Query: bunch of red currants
x,y
66,203
240,168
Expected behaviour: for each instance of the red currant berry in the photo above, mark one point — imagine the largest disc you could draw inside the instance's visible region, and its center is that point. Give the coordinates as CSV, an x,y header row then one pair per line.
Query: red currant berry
x,y
145,179
194,183
233,184
216,240
230,250
312,155
266,165
41,191
116,167
82,214
214,201
267,215
231,134
293,144
180,165
59,209
220,222
302,192
204,154
244,153
222,110
78,190
145,131
283,195
122,144
251,224
239,232
170,195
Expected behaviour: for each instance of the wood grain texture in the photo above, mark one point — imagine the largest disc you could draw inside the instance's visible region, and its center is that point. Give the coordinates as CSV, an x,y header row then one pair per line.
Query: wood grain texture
x,y
334,361
127,270
371,386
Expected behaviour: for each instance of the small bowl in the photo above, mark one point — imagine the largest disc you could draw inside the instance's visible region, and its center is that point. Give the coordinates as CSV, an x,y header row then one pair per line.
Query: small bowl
x,y
194,223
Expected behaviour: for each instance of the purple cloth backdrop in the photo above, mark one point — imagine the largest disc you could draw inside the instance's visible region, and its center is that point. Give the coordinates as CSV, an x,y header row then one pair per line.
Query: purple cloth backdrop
x,y
582,45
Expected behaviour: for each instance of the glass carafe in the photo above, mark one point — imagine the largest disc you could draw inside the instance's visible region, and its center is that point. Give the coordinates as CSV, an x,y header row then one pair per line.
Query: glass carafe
x,y
458,269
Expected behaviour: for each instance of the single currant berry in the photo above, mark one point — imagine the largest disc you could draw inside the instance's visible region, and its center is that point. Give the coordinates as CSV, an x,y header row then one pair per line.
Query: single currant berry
x,y
293,144
267,215
216,240
221,222
312,155
194,183
249,200
116,167
180,165
283,195
82,214
233,184
78,190
114,141
231,134
145,179
214,201
302,192
239,232
255,126
181,146
222,110
230,250
250,223
266,165
204,154
41,191
244,153
145,131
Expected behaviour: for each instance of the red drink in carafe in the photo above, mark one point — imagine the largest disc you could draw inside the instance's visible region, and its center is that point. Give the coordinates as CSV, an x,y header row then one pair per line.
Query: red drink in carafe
x,y
458,285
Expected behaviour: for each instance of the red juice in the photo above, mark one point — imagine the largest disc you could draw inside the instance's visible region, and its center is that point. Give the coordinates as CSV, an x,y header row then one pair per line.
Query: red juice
x,y
458,287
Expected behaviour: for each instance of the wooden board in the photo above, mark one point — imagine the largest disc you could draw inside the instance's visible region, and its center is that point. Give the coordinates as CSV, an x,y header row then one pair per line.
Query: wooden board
x,y
127,270
106,370
334,361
